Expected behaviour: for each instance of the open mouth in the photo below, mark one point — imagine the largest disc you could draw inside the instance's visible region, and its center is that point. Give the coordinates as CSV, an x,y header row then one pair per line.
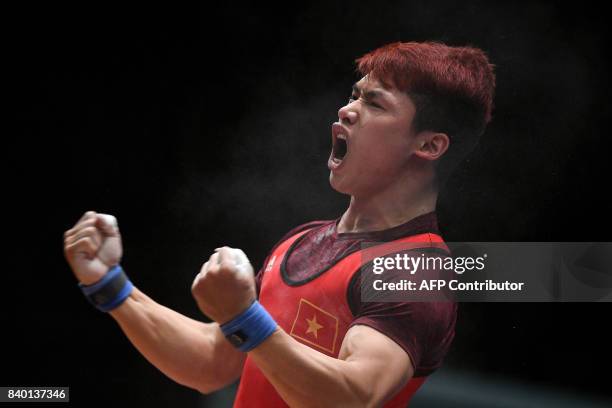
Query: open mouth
x,y
339,145
339,148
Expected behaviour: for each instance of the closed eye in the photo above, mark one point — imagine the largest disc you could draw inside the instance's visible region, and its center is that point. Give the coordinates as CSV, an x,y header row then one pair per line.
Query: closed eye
x,y
353,98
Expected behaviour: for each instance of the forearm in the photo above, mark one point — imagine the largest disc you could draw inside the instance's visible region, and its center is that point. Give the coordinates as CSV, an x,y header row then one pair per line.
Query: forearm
x,y
305,377
186,350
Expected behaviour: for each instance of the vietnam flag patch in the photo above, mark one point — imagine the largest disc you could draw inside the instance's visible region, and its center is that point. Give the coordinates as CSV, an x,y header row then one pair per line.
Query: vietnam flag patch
x,y
315,326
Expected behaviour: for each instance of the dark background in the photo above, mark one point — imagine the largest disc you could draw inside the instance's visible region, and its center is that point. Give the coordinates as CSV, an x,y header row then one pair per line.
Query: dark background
x,y
210,125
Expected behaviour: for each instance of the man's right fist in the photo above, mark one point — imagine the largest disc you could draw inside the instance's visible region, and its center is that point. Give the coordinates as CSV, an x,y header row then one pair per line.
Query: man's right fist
x,y
93,246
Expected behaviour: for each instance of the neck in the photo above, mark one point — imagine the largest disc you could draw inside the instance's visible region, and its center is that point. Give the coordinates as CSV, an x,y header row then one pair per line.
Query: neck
x,y
388,208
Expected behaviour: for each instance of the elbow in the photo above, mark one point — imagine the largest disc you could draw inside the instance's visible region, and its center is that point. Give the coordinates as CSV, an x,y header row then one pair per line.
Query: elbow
x,y
209,385
362,395
204,384
206,389
356,395
216,378
354,403
365,401
368,401
372,404
199,386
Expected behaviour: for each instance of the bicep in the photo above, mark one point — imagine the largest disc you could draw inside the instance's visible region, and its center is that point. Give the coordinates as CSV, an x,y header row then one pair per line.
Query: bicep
x,y
381,366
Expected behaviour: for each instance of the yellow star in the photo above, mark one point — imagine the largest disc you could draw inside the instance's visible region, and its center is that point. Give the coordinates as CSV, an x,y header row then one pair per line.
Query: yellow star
x,y
313,326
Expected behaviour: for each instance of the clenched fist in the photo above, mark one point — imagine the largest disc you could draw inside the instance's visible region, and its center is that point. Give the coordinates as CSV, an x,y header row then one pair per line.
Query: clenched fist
x,y
225,286
92,246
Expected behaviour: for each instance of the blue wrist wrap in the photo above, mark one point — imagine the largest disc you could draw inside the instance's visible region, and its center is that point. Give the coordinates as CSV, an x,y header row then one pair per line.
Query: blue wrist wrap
x,y
250,328
110,291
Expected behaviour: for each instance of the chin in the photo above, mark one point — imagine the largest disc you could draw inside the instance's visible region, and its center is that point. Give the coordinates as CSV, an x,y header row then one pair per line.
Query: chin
x,y
337,184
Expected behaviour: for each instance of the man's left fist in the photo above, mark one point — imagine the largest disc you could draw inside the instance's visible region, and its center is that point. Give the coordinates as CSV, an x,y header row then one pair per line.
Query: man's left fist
x,y
225,286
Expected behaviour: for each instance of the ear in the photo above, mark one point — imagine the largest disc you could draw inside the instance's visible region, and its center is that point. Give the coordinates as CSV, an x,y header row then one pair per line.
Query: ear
x,y
431,145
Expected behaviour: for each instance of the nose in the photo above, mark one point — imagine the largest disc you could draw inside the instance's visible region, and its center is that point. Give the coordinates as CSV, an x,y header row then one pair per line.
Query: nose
x,y
347,114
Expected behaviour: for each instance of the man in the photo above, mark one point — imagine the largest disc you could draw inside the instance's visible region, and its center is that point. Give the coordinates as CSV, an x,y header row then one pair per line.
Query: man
x,y
298,334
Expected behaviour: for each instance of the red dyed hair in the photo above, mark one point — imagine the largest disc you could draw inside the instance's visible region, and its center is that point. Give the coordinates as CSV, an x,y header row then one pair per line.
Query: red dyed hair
x,y
451,87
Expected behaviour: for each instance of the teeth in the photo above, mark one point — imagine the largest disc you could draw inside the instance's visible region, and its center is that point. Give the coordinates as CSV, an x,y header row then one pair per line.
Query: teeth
x,y
341,136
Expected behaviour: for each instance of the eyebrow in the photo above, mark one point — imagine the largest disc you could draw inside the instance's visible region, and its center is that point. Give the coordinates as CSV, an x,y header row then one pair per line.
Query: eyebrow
x,y
371,94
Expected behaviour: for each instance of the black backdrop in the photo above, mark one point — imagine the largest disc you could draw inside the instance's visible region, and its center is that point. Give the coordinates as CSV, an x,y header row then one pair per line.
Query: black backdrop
x,y
209,125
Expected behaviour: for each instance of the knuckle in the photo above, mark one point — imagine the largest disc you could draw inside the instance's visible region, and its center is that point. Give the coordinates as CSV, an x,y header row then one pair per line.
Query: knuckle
x,y
79,247
87,241
89,222
212,272
226,266
88,230
196,286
